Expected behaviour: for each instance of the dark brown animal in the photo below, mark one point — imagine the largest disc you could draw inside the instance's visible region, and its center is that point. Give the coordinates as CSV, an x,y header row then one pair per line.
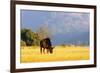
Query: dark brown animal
x,y
45,44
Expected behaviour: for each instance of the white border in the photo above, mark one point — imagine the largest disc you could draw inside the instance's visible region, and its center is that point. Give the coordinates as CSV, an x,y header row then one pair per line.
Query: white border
x,y
52,64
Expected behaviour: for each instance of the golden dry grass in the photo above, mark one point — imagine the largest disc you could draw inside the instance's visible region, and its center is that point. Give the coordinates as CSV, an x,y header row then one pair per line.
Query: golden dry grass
x,y
60,53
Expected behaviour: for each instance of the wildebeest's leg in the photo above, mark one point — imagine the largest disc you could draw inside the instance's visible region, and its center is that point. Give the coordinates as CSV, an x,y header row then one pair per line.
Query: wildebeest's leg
x,y
44,50
41,50
47,50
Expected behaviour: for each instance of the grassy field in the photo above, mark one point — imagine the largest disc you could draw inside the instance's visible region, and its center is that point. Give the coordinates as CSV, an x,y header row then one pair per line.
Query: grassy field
x,y
60,53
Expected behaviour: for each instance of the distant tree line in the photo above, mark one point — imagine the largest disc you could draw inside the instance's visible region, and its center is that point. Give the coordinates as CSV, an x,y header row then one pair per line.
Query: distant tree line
x,y
29,38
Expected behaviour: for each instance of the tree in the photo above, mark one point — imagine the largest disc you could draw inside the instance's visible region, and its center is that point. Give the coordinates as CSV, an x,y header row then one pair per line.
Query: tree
x,y
29,37
43,32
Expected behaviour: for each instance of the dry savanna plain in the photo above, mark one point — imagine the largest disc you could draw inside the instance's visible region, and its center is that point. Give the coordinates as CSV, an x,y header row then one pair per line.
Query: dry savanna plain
x,y
60,53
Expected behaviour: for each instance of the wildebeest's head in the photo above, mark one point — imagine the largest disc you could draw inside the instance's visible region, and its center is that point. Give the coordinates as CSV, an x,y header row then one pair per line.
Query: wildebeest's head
x,y
51,50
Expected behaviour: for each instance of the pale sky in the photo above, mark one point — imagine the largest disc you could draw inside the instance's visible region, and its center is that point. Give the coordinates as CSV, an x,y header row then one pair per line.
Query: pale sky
x,y
58,22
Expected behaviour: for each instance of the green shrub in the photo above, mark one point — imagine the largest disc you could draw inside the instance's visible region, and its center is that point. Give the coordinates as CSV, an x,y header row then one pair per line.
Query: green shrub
x,y
23,43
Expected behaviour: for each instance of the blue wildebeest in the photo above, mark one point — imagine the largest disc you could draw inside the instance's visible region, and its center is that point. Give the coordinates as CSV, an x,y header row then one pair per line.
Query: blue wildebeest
x,y
45,44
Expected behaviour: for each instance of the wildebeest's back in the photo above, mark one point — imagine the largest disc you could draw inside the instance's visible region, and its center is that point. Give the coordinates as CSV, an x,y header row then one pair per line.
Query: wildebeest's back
x,y
45,43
